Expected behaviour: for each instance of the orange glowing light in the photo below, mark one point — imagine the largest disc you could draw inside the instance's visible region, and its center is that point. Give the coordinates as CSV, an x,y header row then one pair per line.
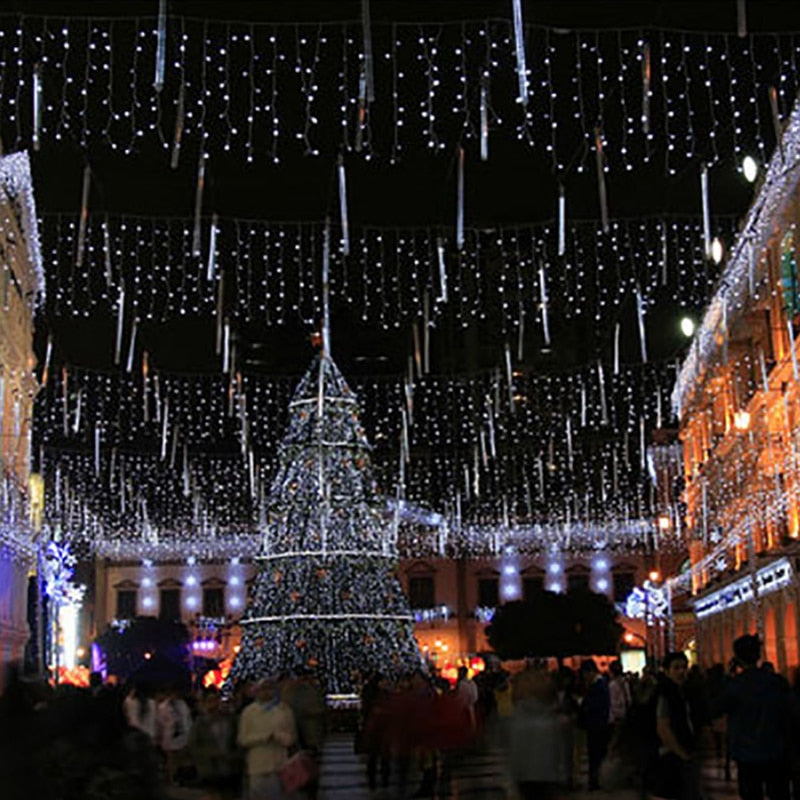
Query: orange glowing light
x,y
450,672
76,676
664,522
741,420
654,575
477,664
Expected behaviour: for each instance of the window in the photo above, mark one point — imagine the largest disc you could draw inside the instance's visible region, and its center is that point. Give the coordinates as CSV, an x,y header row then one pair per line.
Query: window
x,y
532,586
488,592
578,582
213,602
170,605
421,592
791,296
126,603
623,585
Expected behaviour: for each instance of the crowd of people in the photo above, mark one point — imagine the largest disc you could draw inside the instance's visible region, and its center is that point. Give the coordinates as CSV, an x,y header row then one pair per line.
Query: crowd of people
x,y
136,742
646,733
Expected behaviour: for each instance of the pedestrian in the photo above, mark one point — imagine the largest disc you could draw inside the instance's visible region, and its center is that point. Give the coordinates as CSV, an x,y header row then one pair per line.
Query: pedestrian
x,y
374,734
568,709
619,694
140,710
538,761
675,773
266,732
466,691
593,717
174,726
758,706
305,697
212,745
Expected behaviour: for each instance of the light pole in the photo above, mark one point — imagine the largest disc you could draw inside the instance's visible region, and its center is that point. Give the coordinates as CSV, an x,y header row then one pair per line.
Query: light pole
x,y
651,647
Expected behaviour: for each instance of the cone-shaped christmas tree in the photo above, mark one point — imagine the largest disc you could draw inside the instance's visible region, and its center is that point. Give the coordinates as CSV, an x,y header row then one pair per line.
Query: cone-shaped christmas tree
x,y
326,593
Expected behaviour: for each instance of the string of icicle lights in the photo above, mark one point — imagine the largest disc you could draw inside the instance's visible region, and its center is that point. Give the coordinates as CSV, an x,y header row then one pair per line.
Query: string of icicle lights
x,y
265,91
255,270
154,458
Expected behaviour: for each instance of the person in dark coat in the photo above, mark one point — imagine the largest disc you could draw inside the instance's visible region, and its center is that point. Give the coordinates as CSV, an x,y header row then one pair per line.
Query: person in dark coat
x,y
212,746
374,735
758,706
593,717
675,773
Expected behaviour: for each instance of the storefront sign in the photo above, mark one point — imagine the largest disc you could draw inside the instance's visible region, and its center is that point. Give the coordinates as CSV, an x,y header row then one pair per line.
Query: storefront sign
x,y
768,579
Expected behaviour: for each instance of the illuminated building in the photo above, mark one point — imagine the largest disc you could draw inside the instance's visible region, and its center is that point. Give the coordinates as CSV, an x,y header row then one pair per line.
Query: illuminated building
x,y
738,399
20,287
452,599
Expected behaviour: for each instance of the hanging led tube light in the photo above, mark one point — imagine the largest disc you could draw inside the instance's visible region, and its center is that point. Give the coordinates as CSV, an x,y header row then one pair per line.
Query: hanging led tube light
x,y
601,178
706,212
326,306
179,123
640,320
345,244
198,206
442,270
37,106
161,46
484,107
519,42
87,177
646,78
460,201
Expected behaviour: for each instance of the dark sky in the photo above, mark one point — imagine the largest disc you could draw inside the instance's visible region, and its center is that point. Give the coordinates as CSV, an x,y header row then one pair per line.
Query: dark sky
x,y
516,186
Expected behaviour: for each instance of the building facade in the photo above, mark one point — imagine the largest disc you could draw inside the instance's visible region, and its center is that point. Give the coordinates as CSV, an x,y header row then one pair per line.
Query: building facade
x,y
20,288
452,599
738,400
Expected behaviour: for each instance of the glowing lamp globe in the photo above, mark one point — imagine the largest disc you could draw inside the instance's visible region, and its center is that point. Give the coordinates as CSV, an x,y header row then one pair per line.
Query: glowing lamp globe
x,y
750,169
717,250
687,327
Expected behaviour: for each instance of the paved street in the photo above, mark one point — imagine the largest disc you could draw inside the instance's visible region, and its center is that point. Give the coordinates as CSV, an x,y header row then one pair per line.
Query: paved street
x,y
481,775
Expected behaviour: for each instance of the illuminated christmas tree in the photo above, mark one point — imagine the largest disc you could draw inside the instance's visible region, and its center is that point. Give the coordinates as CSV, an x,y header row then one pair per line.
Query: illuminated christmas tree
x,y
326,593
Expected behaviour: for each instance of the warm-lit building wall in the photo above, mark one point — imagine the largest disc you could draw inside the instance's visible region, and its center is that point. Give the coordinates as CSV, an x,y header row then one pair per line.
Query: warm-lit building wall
x,y
739,400
20,284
